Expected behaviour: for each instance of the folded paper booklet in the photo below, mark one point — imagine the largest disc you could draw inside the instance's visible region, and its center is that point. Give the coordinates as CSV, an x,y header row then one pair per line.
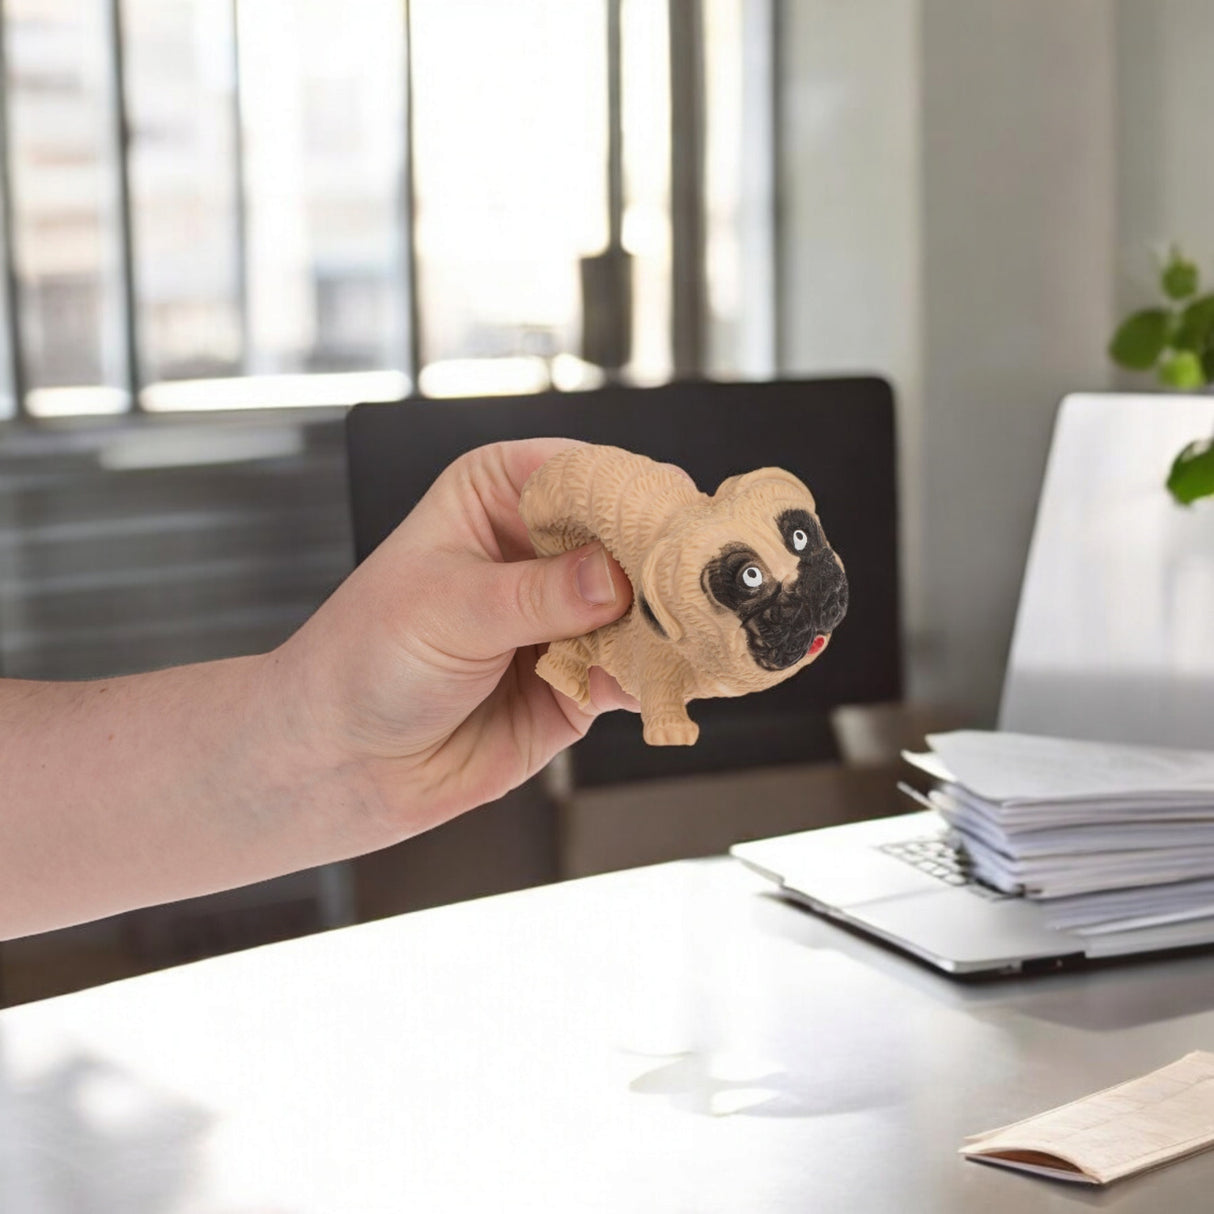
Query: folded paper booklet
x,y
1125,1129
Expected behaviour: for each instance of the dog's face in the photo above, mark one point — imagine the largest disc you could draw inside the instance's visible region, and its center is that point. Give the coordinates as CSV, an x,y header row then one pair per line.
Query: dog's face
x,y
750,580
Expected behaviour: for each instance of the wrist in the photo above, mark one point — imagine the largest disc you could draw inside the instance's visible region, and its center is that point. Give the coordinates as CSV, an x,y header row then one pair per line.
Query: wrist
x,y
311,755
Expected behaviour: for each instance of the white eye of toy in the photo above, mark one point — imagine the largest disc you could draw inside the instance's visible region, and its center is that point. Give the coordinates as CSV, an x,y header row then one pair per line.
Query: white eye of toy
x,y
799,540
752,576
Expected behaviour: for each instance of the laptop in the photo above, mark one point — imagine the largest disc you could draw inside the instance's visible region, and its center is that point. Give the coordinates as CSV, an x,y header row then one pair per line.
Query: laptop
x,y
1112,642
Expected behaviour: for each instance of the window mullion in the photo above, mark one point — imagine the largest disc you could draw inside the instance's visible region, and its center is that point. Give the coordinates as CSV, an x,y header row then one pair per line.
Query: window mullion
x,y
116,61
687,220
240,198
615,130
408,219
8,255
778,216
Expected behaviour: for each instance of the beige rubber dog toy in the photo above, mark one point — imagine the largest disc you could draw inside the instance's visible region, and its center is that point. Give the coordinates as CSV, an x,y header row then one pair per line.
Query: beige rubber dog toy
x,y
732,593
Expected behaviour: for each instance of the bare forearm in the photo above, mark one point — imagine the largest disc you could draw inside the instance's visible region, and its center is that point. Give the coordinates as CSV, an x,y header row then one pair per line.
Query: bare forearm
x,y
146,789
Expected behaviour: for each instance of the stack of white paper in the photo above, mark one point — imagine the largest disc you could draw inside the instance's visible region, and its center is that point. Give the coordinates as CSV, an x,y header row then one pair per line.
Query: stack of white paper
x,y
1113,838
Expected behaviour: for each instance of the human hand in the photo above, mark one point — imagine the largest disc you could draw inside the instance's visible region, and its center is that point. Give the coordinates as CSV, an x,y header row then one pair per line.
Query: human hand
x,y
417,677
410,696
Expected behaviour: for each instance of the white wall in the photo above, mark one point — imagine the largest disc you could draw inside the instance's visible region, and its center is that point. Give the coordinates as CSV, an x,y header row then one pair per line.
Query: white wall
x,y
1018,238
1165,180
848,218
948,192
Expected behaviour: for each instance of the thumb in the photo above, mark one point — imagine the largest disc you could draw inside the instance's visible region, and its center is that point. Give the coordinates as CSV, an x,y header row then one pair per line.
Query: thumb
x,y
551,598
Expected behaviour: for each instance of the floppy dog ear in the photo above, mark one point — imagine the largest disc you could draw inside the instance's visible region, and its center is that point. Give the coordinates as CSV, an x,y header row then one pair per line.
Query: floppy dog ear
x,y
760,478
658,580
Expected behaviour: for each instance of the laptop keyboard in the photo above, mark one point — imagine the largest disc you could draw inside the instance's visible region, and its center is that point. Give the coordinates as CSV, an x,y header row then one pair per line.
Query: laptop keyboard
x,y
931,855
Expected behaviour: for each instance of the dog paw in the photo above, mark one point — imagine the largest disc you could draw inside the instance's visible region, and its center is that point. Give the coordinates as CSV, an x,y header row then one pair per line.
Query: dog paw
x,y
570,680
676,732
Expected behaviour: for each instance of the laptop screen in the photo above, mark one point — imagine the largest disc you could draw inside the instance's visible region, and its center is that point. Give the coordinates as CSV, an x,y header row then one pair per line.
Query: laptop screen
x,y
1114,635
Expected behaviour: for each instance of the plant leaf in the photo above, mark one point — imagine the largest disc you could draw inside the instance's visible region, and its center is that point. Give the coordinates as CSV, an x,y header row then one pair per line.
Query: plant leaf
x,y
1140,339
1182,370
1195,330
1179,277
1192,474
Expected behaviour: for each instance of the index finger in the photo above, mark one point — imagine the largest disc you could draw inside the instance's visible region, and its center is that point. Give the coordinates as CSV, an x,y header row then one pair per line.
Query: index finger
x,y
493,477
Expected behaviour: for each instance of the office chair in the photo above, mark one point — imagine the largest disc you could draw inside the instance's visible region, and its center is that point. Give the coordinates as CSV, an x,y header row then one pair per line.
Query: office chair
x,y
836,434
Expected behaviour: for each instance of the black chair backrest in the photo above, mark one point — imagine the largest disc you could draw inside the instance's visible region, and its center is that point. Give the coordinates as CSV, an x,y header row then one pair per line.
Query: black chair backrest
x,y
836,434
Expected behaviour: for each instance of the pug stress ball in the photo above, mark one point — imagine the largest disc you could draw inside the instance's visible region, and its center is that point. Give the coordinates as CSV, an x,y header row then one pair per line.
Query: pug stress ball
x,y
732,593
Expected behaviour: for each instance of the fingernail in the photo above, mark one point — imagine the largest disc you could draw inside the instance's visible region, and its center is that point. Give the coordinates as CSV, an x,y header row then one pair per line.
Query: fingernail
x,y
594,581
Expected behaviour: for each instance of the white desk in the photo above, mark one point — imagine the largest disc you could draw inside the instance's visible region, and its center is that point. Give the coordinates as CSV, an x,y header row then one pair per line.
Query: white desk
x,y
671,1039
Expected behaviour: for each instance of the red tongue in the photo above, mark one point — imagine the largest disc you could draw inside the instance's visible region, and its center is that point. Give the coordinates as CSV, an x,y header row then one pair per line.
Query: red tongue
x,y
818,643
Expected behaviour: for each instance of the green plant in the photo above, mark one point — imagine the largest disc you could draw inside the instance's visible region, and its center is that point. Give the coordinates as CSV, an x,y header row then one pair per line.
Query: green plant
x,y
1176,341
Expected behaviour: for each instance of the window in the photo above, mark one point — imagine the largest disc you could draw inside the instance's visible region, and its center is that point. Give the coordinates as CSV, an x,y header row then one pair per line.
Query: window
x,y
323,112
181,99
645,227
66,209
510,162
739,189
242,203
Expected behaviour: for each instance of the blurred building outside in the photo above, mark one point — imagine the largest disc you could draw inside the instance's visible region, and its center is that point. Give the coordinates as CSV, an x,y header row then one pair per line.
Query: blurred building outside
x,y
228,203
